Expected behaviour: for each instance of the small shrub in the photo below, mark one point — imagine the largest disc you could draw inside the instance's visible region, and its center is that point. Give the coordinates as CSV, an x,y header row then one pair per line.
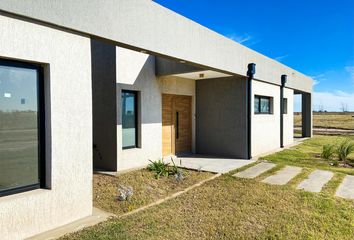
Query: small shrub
x,y
165,169
345,148
159,167
327,151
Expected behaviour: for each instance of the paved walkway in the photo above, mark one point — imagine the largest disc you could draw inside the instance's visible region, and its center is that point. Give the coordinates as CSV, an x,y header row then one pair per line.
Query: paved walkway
x,y
256,170
209,164
314,182
283,176
97,217
346,189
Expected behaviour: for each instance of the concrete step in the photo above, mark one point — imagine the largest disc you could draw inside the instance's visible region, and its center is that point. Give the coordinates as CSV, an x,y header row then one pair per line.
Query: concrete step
x,y
255,171
283,176
315,181
346,188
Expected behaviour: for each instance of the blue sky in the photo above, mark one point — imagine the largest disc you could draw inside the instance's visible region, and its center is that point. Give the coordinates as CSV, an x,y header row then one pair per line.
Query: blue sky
x,y
315,37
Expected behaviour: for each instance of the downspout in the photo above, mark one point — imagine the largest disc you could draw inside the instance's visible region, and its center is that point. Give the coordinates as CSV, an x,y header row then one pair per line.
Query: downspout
x,y
283,82
250,75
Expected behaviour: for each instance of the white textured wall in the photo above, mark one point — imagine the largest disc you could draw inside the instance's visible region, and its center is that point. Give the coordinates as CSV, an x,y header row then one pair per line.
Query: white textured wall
x,y
26,214
265,127
136,71
289,117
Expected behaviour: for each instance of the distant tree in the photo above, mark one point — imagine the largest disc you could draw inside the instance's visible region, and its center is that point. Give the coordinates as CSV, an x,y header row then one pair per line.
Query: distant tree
x,y
321,107
343,107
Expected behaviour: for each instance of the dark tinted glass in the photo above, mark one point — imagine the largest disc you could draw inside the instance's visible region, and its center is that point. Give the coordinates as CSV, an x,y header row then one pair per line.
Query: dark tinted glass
x,y
285,107
256,104
19,142
265,105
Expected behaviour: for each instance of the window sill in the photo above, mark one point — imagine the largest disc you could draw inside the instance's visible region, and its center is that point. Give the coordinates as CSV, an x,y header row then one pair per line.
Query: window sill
x,y
23,194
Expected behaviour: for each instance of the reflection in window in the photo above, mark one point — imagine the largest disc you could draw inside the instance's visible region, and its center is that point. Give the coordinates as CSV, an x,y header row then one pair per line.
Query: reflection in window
x,y
262,105
129,119
285,105
19,127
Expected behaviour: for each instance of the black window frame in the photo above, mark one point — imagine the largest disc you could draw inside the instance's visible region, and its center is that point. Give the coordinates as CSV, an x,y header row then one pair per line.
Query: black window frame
x,y
259,98
41,127
135,116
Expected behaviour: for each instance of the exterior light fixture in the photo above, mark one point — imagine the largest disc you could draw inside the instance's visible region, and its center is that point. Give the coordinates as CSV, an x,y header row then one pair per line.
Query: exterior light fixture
x,y
284,79
143,51
182,61
201,75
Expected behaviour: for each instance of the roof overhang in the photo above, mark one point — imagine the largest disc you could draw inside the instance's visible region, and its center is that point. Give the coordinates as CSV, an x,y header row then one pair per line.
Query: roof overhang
x,y
149,27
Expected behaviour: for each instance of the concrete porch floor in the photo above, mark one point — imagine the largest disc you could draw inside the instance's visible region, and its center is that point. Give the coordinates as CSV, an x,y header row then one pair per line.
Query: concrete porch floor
x,y
208,163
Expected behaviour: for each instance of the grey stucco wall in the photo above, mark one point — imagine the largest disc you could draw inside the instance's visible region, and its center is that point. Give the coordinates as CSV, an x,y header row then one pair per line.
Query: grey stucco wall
x,y
221,117
67,62
104,105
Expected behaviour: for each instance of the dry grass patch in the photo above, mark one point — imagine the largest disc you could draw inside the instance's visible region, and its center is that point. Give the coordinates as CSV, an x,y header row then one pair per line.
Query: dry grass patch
x,y
329,120
147,189
230,208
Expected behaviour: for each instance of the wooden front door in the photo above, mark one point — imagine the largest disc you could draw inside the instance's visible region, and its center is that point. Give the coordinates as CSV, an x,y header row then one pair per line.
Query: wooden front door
x,y
176,124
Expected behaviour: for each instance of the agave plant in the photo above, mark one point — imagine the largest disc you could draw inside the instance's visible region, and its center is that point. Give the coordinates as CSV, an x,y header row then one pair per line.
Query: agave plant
x,y
328,151
159,167
344,149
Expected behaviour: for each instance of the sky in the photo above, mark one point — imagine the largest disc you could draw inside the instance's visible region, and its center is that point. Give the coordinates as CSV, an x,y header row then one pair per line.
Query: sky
x,y
315,37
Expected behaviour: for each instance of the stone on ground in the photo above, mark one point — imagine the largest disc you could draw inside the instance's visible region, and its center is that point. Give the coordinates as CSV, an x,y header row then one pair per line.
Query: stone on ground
x,y
315,181
283,176
346,189
255,171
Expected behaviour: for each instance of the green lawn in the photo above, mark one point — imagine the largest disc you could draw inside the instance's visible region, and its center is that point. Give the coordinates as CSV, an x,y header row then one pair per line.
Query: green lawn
x,y
308,153
233,208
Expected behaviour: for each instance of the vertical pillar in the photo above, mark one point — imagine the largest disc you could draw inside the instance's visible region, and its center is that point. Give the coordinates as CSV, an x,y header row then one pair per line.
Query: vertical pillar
x,y
306,115
250,73
283,82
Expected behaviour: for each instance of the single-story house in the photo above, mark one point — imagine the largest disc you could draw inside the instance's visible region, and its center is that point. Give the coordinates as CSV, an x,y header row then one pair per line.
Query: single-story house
x,y
111,84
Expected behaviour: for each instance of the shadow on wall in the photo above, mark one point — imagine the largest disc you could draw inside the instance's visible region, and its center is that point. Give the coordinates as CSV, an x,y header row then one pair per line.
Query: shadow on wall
x,y
136,72
103,65
115,69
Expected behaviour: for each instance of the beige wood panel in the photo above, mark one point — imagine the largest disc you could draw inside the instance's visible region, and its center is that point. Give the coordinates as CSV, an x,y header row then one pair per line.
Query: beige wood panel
x,y
176,124
183,135
167,124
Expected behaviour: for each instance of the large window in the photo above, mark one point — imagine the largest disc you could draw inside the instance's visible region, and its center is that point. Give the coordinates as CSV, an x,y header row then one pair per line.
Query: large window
x,y
129,119
21,127
263,105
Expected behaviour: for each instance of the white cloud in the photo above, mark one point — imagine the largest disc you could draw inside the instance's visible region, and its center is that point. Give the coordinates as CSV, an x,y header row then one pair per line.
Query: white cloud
x,y
333,101
317,79
316,82
239,38
244,39
280,58
328,101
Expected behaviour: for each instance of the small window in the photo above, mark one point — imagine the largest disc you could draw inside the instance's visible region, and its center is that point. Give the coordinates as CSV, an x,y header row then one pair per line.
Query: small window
x,y
22,127
263,105
129,119
285,105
